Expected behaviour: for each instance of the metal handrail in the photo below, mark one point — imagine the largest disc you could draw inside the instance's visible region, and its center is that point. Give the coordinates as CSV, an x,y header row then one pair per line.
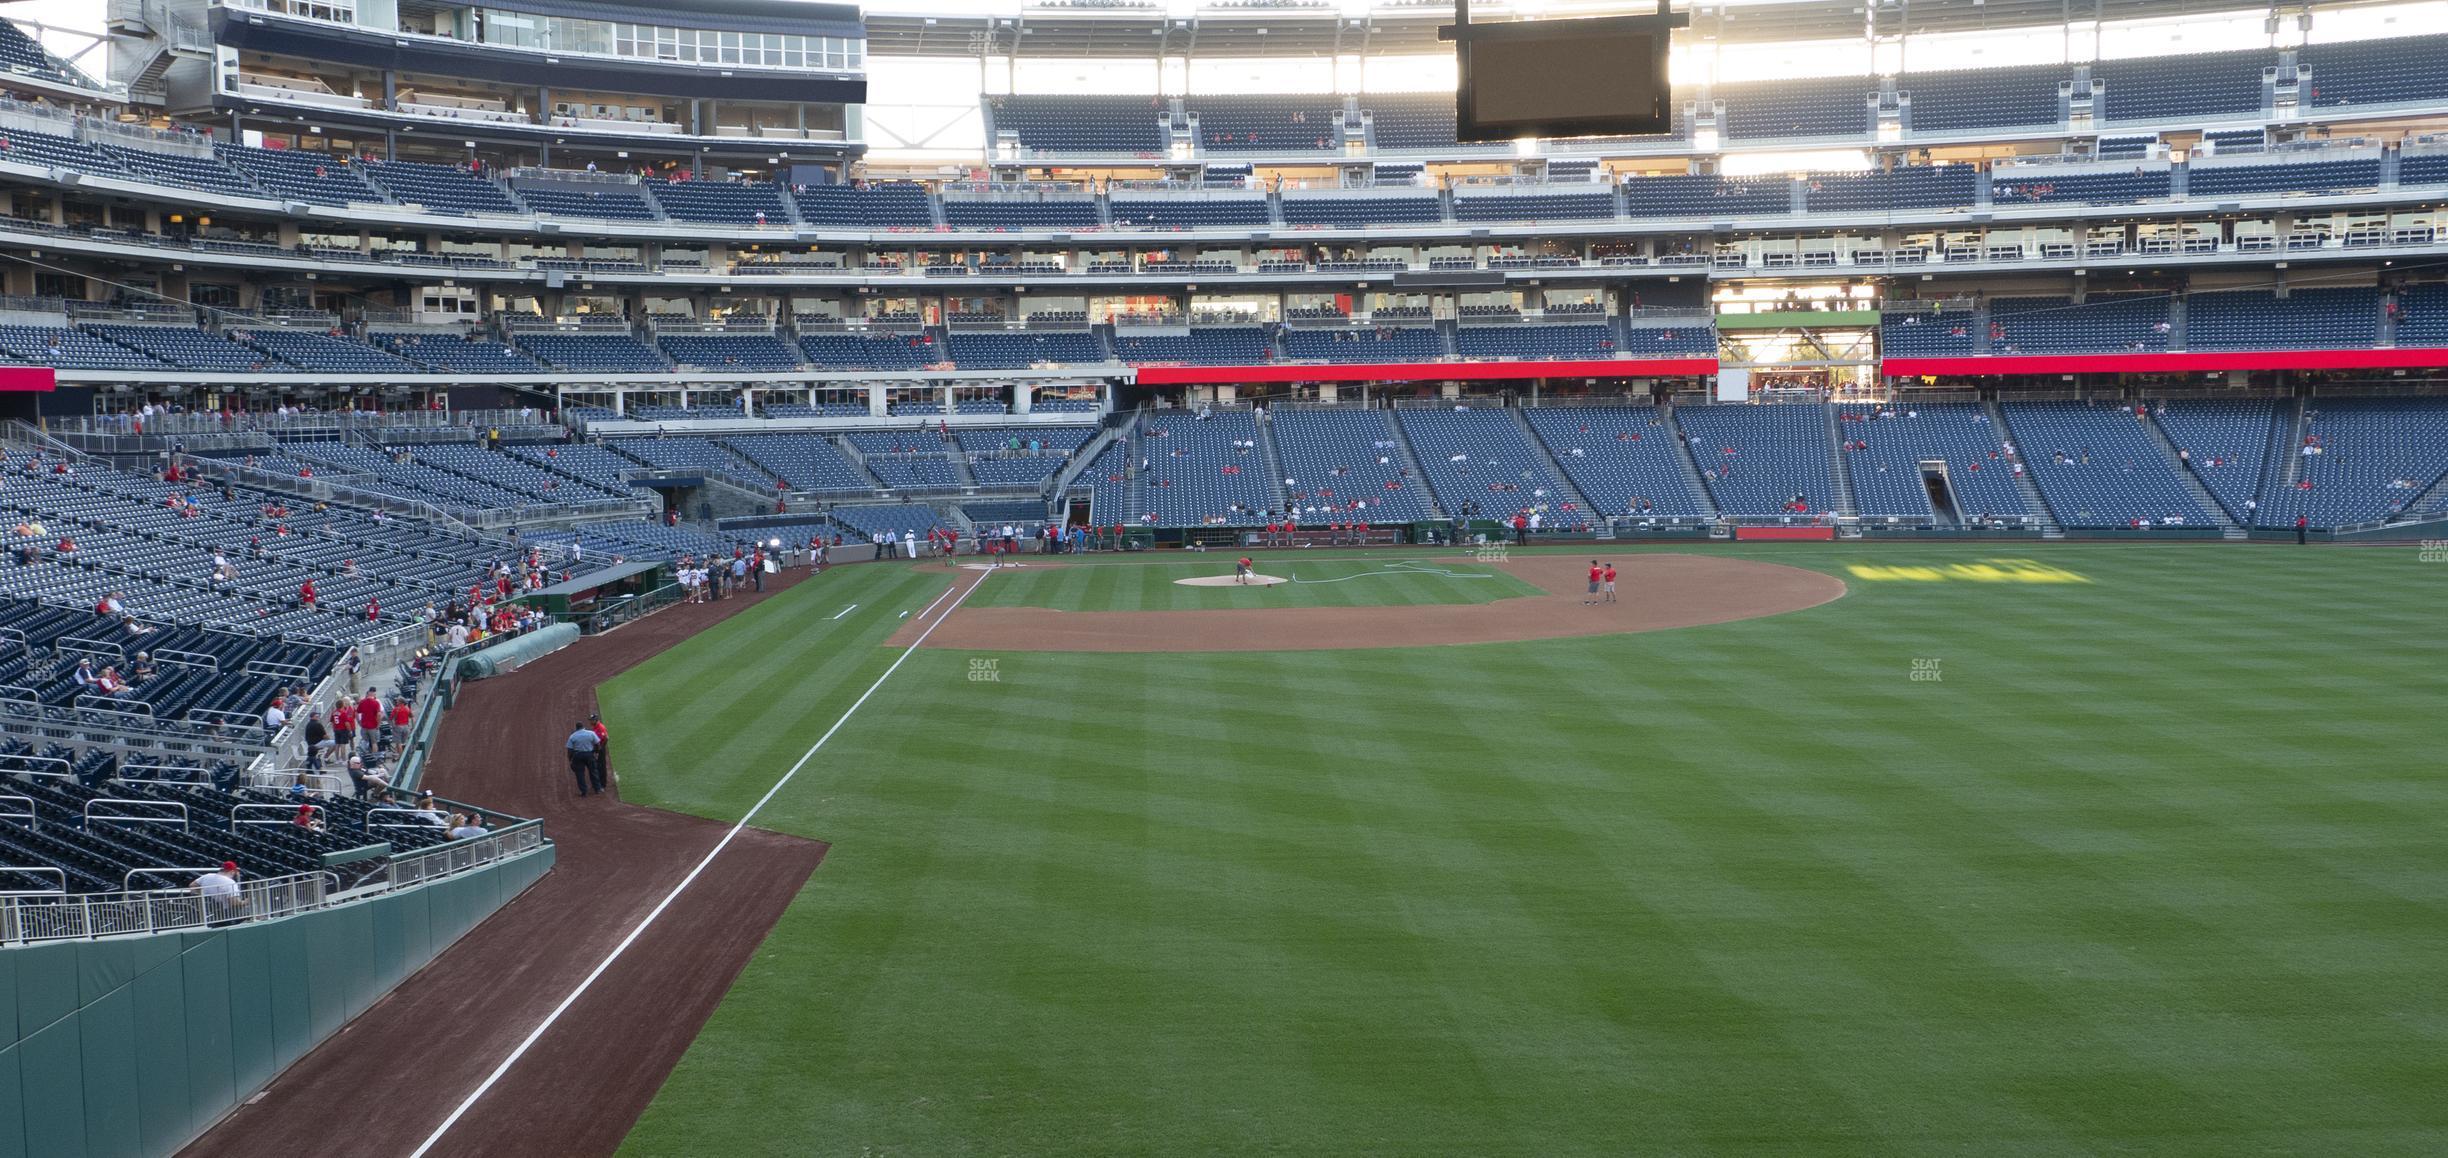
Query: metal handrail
x,y
195,778
180,819
127,883
65,772
60,873
85,915
369,824
285,813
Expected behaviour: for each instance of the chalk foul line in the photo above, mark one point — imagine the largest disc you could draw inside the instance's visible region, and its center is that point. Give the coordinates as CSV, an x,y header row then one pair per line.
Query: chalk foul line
x,y
956,594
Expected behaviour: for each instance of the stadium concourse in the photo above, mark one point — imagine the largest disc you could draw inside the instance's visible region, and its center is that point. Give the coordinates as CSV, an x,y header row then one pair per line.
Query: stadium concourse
x,y
372,419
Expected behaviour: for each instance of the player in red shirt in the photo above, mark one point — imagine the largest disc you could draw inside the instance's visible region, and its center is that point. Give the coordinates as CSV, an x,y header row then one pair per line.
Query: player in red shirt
x,y
1597,575
1610,582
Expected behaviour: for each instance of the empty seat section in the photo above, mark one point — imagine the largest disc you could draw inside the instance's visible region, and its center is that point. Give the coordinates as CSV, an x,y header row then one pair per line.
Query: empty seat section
x,y
66,349
891,205
2375,72
1190,213
2304,177
465,353
721,202
1802,107
611,203
187,349
597,353
316,178
2376,459
2143,182
1988,98
871,351
2100,466
1003,350
311,350
1706,195
1396,344
911,520
1585,206
1481,462
2228,443
2308,319
1077,213
1755,459
1914,187
442,188
1361,212
747,352
1204,472
1346,462
2102,324
1907,331
807,462
1535,342
1884,460
2174,88
1267,124
1202,346
1623,458
1130,125
183,171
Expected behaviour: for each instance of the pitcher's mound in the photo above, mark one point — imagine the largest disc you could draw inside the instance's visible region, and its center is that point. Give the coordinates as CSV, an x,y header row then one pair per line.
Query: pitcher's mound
x,y
1660,591
1228,581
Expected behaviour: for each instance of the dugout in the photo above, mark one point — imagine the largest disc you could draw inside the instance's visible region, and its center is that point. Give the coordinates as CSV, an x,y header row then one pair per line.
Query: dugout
x,y
604,597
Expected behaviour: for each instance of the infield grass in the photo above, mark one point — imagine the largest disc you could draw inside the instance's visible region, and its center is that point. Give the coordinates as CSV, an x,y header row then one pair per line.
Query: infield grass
x,y
1153,586
2157,864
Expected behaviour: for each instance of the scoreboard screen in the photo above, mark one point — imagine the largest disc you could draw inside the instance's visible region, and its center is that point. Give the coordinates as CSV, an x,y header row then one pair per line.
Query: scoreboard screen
x,y
1563,78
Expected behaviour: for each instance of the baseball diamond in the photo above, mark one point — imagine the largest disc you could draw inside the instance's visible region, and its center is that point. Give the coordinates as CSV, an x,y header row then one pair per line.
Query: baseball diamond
x,y
1083,578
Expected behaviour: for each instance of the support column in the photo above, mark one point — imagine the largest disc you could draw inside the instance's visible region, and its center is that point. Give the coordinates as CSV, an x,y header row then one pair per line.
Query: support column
x,y
876,405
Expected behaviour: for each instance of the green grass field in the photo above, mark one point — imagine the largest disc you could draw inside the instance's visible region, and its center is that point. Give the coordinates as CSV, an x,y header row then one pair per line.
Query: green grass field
x,y
2157,864
1330,582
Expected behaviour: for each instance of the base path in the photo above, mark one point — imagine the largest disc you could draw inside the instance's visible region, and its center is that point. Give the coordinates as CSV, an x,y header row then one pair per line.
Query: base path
x,y
1655,592
391,1076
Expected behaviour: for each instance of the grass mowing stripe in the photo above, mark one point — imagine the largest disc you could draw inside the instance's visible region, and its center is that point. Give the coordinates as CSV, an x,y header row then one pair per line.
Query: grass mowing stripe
x,y
2152,866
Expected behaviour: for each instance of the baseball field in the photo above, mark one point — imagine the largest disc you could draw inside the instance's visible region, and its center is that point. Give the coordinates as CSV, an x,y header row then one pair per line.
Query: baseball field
x,y
1892,850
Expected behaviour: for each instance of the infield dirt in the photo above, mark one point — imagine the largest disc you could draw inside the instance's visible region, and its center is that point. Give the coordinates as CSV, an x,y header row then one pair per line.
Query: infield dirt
x,y
1655,593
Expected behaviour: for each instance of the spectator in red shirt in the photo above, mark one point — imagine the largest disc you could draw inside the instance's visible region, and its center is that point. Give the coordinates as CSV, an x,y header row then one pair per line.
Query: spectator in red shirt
x,y
306,593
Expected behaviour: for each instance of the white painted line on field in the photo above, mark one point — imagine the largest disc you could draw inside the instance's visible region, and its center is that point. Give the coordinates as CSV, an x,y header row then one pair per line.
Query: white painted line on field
x,y
847,610
549,1018
905,615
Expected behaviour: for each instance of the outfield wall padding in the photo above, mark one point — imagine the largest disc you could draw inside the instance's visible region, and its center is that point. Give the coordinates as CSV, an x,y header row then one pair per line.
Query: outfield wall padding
x,y
133,1046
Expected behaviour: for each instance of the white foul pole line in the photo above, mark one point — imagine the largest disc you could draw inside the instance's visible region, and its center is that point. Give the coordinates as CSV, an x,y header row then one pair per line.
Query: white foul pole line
x,y
483,1087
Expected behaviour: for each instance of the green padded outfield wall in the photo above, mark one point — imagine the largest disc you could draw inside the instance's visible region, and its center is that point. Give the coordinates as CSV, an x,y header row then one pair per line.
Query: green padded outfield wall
x,y
132,1046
